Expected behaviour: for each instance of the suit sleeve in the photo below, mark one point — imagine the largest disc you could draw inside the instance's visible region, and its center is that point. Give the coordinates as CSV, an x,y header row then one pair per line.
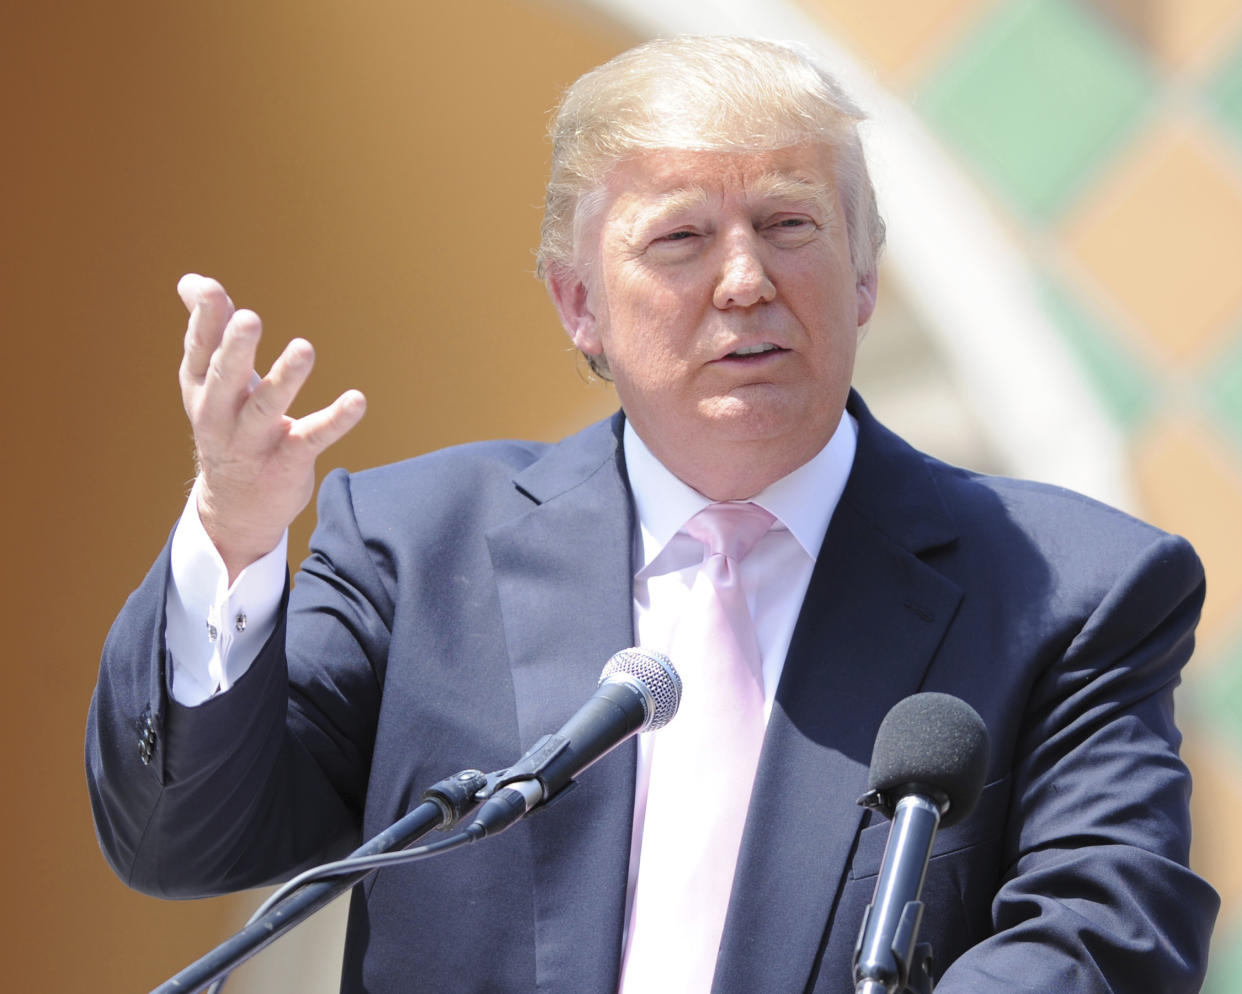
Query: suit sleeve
x,y
1096,894
259,782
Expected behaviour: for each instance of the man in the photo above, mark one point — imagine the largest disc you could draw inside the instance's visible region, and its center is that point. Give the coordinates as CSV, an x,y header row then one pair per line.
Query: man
x,y
710,244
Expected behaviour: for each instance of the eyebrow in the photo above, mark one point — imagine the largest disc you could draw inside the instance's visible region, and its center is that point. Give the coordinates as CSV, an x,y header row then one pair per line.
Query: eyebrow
x,y
769,186
669,204
796,190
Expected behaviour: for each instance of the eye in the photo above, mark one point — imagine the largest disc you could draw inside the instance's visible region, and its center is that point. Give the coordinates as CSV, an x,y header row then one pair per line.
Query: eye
x,y
679,244
792,229
792,223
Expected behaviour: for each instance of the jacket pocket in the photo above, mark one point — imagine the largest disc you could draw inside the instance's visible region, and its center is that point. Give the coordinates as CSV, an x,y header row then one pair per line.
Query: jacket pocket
x,y
984,824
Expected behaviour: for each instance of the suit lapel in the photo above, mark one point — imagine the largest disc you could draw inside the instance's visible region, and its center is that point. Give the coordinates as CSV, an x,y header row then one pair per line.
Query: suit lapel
x,y
565,586
873,617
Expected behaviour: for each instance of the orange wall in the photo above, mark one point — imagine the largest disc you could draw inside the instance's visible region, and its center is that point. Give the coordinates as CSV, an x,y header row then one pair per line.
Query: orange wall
x,y
367,175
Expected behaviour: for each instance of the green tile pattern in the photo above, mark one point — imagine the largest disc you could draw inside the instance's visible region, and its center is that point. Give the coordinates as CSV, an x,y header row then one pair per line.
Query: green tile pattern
x,y
1120,380
1216,695
1040,94
1225,967
1223,389
1226,94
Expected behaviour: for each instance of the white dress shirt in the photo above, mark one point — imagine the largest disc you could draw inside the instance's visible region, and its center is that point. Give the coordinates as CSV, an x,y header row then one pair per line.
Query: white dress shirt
x,y
214,631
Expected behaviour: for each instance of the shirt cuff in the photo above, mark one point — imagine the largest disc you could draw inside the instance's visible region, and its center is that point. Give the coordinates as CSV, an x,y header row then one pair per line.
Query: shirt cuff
x,y
214,631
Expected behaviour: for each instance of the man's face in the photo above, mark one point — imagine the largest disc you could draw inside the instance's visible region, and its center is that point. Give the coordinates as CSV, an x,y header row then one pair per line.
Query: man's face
x,y
719,287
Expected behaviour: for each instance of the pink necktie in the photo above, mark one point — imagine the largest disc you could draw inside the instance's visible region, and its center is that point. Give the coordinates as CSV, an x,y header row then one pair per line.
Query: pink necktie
x,y
702,767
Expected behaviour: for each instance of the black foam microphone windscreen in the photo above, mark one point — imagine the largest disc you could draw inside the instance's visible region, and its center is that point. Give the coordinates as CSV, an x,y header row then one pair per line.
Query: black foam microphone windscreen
x,y
932,743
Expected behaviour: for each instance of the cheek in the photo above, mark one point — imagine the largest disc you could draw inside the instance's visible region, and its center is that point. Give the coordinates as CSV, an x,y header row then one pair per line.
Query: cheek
x,y
648,318
831,320
831,299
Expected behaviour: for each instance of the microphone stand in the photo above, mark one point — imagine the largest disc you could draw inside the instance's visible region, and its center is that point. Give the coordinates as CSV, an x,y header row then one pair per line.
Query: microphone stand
x,y
906,965
919,981
442,805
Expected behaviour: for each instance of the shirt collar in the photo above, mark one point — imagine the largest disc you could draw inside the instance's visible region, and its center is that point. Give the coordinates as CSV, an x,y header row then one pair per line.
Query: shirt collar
x,y
803,502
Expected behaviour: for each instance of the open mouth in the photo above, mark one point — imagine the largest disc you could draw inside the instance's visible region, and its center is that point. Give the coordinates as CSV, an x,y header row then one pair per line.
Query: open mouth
x,y
754,350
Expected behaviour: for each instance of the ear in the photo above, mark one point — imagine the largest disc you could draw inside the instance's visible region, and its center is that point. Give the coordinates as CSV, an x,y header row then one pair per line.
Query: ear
x,y
866,290
573,304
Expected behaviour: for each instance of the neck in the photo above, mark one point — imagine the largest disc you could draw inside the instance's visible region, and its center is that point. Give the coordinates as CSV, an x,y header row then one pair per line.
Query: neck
x,y
736,470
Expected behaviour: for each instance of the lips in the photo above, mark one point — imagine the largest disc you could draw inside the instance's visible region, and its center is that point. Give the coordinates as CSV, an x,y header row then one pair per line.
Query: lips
x,y
746,351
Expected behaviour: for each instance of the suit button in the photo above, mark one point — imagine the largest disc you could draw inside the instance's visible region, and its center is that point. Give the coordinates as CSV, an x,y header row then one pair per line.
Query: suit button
x,y
146,738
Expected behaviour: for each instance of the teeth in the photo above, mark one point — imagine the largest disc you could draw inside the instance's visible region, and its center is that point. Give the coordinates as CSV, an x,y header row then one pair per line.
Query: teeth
x,y
755,349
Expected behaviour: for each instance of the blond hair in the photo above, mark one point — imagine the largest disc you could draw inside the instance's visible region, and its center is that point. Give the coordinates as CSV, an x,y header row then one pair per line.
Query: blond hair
x,y
710,92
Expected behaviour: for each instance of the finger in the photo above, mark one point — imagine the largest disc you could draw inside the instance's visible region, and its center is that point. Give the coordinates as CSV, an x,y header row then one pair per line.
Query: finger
x,y
272,396
192,287
230,376
323,428
210,310
232,364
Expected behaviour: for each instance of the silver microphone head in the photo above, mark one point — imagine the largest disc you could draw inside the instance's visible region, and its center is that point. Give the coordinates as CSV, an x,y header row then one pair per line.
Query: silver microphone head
x,y
653,676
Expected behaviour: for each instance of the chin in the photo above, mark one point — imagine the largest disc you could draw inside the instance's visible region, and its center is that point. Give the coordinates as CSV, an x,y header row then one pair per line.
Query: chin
x,y
743,420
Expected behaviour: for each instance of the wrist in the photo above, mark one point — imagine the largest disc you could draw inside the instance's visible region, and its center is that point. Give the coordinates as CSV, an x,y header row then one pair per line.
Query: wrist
x,y
238,543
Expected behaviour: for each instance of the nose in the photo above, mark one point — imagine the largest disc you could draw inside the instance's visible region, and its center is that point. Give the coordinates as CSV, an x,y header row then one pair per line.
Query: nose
x,y
744,280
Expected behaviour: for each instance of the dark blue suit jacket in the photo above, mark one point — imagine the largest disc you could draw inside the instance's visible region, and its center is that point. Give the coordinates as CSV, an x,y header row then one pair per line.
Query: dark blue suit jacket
x,y
459,605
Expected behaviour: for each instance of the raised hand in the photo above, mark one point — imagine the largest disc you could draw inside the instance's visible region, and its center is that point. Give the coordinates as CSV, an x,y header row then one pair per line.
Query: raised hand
x,y
256,464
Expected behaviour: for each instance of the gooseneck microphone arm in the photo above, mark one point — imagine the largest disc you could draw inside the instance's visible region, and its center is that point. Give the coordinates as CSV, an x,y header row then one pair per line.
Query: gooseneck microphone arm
x,y
639,690
443,804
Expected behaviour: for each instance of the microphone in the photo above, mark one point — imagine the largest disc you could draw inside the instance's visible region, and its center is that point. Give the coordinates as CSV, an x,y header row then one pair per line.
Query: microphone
x,y
927,769
638,691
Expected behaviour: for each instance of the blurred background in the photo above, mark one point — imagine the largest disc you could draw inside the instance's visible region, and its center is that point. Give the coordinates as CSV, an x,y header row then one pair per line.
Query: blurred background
x,y
1061,298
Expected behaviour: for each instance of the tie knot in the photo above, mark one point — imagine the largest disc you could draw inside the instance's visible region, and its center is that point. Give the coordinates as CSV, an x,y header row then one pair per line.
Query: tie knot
x,y
730,529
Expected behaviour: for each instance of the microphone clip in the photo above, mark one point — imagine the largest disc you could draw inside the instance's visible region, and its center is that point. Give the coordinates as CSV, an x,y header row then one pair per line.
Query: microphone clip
x,y
456,796
885,801
532,766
